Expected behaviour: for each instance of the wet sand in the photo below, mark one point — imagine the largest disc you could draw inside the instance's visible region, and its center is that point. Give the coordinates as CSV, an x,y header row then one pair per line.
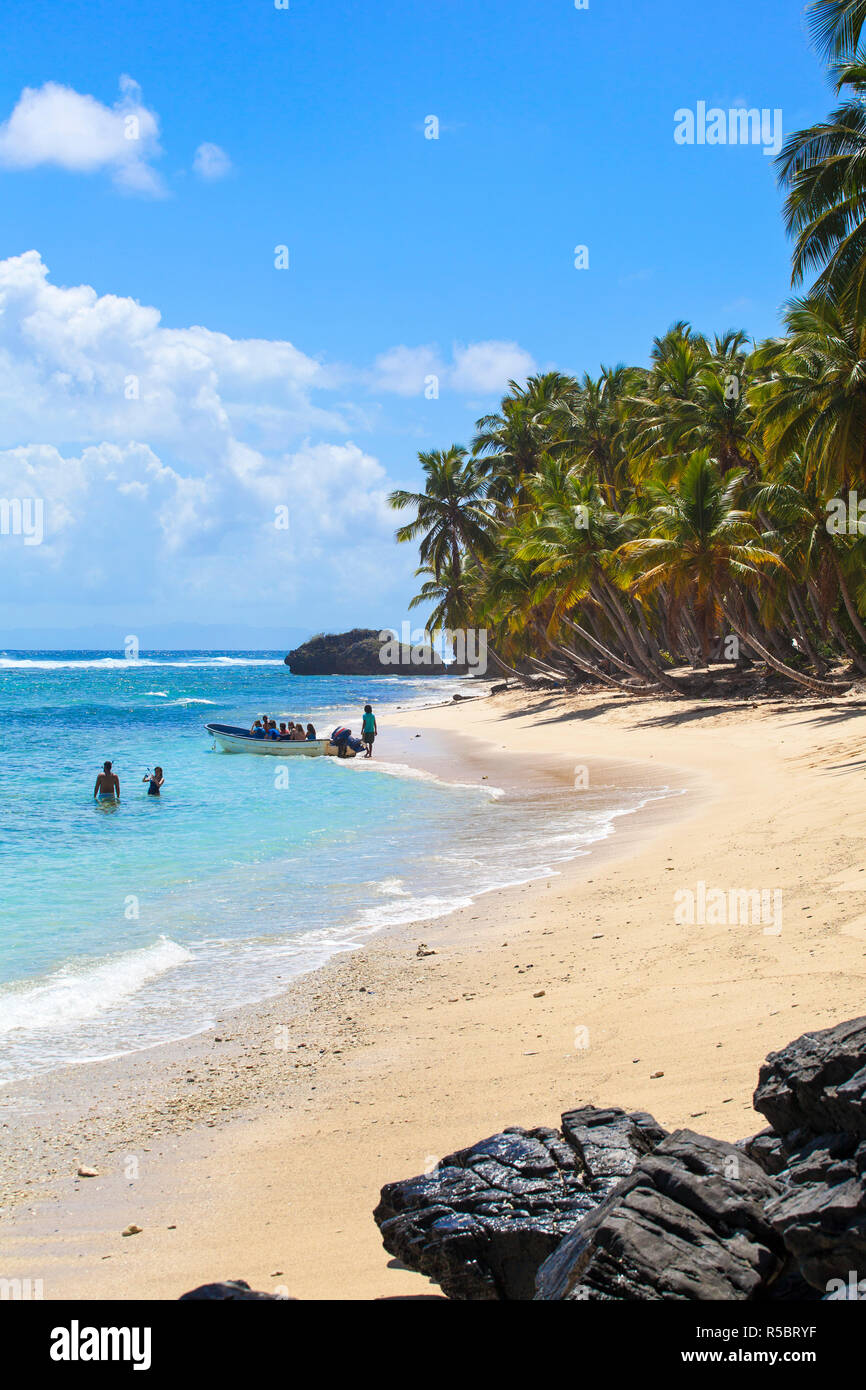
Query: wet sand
x,y
257,1150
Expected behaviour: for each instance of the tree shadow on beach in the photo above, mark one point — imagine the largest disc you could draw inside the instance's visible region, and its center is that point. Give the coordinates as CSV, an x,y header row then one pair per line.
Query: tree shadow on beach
x,y
686,716
577,715
836,714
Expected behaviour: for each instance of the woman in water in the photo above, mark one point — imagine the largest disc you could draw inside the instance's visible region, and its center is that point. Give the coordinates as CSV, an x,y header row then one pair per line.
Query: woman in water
x,y
156,781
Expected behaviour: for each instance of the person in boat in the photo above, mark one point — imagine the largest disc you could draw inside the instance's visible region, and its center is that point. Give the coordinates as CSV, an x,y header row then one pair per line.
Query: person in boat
x,y
257,731
156,781
107,786
298,735
273,732
369,730
311,734
284,732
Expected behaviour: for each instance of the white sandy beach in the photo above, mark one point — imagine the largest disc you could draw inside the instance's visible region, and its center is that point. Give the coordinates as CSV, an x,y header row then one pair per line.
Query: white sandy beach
x,y
241,1160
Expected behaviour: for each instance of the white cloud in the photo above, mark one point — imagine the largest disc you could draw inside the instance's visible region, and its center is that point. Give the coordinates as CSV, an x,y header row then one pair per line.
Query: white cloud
x,y
161,455
211,162
484,367
55,125
488,367
402,370
169,498
75,365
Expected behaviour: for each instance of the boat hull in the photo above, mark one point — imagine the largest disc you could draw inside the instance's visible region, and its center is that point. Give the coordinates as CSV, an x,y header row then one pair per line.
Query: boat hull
x,y
235,740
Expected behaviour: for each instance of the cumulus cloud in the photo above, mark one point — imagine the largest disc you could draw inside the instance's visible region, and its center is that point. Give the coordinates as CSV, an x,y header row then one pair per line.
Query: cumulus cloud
x,y
211,162
477,368
488,367
180,467
55,125
194,472
78,365
403,371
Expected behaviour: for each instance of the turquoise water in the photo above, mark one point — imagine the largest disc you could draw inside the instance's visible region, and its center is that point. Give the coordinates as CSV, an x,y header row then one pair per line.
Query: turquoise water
x,y
130,925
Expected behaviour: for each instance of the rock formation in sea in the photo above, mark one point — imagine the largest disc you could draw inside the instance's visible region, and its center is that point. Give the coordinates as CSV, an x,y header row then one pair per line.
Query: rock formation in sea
x,y
361,653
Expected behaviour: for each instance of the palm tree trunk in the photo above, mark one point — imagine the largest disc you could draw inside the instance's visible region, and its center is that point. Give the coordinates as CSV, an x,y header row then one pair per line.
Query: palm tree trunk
x,y
602,649
801,618
818,687
505,668
850,609
632,639
591,670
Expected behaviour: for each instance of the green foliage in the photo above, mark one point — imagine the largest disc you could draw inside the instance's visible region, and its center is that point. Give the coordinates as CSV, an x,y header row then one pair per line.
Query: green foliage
x,y
634,523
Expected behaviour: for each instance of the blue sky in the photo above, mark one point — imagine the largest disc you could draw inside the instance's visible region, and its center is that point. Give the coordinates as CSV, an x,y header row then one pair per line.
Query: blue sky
x,y
408,257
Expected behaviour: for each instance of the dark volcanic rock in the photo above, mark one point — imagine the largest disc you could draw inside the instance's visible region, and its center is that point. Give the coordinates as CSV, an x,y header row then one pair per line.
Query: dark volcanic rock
x,y
817,1082
612,1208
821,1214
235,1289
813,1093
609,1142
767,1149
484,1220
688,1223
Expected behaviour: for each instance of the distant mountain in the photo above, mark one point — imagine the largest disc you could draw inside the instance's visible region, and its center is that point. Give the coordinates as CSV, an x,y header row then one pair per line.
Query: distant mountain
x,y
360,653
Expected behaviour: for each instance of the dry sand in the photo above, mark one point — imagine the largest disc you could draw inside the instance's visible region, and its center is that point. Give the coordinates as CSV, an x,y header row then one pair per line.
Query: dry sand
x,y
241,1157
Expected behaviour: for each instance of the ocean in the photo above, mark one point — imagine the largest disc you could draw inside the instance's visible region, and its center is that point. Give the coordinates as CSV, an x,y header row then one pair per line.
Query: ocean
x,y
126,926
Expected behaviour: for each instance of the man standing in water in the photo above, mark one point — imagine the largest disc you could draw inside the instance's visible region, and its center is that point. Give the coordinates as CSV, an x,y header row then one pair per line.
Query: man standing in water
x,y
107,785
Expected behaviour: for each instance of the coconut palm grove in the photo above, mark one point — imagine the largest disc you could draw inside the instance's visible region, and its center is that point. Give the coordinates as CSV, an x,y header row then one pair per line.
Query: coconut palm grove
x,y
686,525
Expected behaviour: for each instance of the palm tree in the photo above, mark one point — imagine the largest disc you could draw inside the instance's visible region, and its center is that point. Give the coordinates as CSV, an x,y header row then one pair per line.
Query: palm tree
x,y
822,169
836,26
449,594
571,535
821,561
586,427
509,445
707,552
813,400
695,396
451,515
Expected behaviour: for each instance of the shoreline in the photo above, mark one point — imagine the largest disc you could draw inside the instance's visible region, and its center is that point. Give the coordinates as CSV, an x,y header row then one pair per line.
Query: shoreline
x,y
58,1093
421,1055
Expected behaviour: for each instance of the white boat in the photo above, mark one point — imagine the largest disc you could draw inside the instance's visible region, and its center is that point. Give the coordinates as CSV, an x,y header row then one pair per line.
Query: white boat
x,y
231,739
